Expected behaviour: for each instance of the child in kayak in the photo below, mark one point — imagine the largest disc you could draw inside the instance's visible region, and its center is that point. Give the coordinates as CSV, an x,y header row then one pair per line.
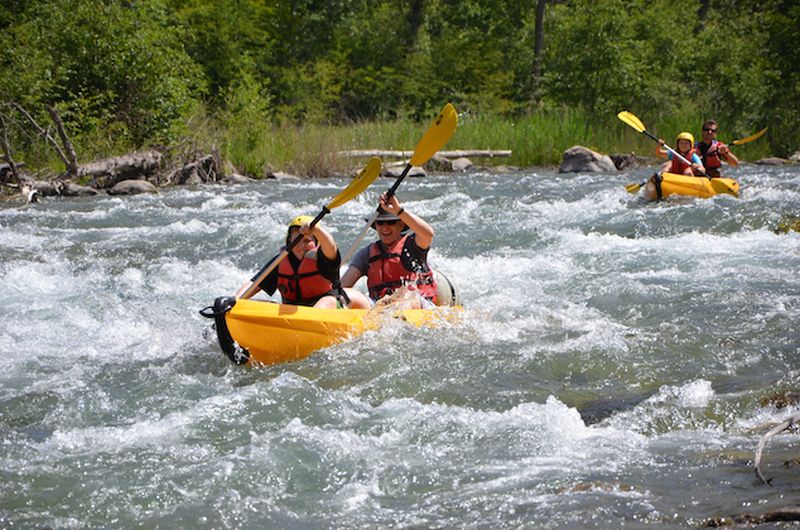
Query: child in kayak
x,y
684,144
712,152
396,265
309,275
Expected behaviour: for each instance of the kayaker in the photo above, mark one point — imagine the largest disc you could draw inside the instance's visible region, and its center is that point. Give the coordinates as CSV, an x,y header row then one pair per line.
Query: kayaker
x,y
684,144
396,265
309,274
712,152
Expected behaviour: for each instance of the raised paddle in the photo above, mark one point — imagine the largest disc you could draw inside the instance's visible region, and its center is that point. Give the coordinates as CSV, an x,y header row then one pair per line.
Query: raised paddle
x,y
718,185
434,139
755,136
359,184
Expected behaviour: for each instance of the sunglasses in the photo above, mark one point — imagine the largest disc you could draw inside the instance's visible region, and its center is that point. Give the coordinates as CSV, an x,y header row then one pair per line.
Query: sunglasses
x,y
390,223
709,130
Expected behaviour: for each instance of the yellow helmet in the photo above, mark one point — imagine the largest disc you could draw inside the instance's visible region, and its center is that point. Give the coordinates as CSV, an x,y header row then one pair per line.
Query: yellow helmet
x,y
300,220
686,136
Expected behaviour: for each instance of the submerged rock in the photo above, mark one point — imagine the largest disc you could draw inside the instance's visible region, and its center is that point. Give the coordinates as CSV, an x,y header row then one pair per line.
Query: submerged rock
x,y
790,223
772,161
132,187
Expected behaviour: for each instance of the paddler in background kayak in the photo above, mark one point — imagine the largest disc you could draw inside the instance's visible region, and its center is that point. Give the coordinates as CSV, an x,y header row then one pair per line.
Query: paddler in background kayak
x,y
712,152
684,144
309,275
396,266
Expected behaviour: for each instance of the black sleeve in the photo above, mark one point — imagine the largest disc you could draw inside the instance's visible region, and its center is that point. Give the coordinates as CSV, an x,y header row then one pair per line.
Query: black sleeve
x,y
329,268
414,258
269,284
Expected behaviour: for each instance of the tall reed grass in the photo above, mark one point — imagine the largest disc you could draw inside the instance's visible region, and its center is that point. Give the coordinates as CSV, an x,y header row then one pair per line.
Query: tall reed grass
x,y
257,146
537,139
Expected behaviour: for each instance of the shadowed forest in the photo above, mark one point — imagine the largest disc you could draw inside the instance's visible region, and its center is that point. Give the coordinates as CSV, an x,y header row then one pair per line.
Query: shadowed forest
x,y
284,83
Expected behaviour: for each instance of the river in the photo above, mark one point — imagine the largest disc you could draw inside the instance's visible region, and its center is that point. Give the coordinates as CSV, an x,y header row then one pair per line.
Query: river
x,y
608,371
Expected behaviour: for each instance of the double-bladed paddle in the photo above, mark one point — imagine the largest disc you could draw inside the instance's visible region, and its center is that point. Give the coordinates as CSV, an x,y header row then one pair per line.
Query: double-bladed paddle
x,y
359,184
750,138
434,139
718,185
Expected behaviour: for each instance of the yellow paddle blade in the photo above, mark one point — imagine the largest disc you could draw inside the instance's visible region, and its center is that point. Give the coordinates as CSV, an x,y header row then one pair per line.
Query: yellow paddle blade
x,y
631,120
634,188
437,135
756,136
362,181
720,186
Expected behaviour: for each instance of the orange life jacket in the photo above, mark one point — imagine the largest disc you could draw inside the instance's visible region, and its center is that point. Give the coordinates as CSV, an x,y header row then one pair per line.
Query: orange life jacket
x,y
305,285
679,165
387,271
711,159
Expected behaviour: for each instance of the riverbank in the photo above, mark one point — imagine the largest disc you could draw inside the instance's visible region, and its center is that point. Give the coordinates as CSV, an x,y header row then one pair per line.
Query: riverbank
x,y
257,149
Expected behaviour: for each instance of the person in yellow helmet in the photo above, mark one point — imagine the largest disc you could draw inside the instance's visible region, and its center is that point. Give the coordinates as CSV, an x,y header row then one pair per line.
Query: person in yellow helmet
x,y
309,275
684,144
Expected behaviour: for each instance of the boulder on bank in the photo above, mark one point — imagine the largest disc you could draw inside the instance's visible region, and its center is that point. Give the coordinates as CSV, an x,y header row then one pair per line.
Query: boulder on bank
x,y
280,175
795,157
132,187
579,159
772,161
462,164
235,178
395,172
438,163
624,161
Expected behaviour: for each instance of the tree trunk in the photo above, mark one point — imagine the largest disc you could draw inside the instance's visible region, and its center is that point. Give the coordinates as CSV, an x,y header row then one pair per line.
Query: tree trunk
x,y
407,154
538,48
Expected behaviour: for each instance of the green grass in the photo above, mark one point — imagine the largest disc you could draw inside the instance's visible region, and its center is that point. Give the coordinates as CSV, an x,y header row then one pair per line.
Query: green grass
x,y
257,146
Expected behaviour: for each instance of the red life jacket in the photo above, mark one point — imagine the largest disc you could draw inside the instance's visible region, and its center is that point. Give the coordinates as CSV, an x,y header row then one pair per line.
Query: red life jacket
x,y
387,271
305,285
711,159
679,165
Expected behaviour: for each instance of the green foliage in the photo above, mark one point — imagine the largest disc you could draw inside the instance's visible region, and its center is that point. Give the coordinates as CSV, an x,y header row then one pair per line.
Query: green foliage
x,y
236,73
103,65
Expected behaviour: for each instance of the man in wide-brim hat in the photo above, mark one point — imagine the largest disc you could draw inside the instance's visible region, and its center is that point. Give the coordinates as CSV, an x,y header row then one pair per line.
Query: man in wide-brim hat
x,y
397,263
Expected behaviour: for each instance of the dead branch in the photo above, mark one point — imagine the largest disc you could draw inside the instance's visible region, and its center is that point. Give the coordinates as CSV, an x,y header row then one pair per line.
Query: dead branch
x,y
72,165
45,134
24,185
786,424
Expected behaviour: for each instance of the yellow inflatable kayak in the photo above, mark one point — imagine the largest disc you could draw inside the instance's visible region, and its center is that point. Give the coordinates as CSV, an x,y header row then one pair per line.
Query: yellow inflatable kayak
x,y
251,331
672,184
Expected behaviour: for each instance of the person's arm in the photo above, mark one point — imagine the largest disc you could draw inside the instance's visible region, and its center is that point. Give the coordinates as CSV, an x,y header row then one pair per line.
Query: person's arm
x,y
269,285
697,164
727,155
661,152
423,230
357,269
326,242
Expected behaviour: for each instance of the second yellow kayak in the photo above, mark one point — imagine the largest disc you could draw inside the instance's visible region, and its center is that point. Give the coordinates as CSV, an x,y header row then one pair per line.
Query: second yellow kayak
x,y
673,184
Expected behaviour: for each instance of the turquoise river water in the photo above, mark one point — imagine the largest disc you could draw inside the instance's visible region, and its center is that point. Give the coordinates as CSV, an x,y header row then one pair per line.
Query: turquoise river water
x,y
607,373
